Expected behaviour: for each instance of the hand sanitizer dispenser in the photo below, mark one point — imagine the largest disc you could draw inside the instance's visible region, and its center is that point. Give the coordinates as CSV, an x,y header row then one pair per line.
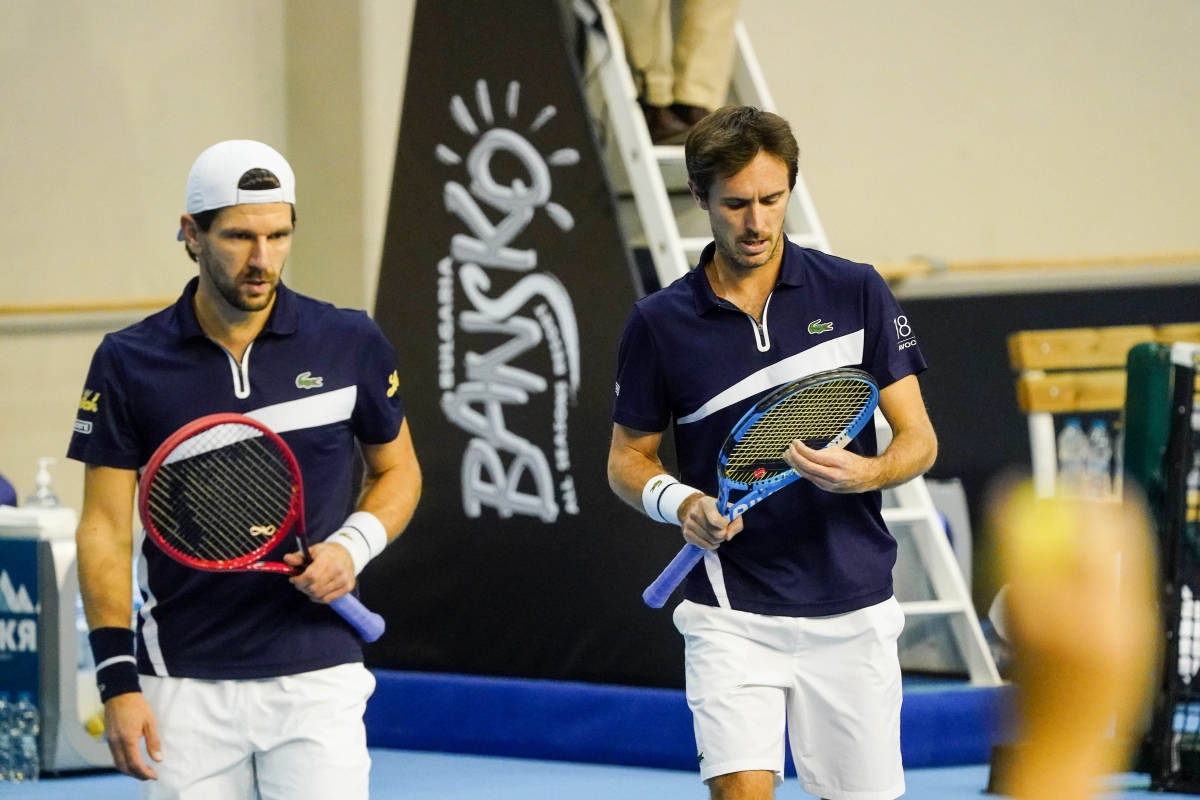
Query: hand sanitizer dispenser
x,y
43,495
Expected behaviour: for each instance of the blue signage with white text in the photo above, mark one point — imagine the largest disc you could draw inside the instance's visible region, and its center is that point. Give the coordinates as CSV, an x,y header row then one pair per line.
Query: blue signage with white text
x,y
19,616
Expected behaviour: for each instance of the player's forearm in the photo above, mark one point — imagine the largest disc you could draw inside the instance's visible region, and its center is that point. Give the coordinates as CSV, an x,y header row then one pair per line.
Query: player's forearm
x,y
105,575
392,497
104,546
386,504
628,471
392,485
911,453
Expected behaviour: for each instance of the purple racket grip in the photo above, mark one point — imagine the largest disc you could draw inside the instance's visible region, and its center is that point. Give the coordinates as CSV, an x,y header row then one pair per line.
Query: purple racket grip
x,y
370,626
656,594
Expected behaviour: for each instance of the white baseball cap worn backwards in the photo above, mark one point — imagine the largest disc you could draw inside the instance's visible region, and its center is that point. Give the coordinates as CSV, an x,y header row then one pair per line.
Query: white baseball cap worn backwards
x,y
213,180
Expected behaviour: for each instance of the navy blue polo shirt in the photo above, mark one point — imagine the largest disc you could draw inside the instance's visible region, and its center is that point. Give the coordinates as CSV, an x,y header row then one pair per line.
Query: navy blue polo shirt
x,y
321,377
694,360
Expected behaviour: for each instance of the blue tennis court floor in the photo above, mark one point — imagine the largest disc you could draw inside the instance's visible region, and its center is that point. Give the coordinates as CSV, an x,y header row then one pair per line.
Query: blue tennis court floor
x,y
411,775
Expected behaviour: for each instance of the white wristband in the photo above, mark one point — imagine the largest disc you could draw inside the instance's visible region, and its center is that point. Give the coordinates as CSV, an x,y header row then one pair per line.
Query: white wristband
x,y
663,495
363,536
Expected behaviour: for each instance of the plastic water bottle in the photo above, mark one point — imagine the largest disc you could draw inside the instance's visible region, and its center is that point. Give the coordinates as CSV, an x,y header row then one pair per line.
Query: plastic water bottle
x,y
20,725
1099,460
6,737
1072,457
27,728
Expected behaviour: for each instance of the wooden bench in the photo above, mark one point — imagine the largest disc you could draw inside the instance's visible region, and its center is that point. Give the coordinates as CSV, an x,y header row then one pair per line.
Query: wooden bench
x,y
1077,371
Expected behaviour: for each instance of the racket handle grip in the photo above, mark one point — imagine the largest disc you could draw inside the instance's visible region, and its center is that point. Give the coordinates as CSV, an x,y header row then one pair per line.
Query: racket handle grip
x,y
656,594
369,625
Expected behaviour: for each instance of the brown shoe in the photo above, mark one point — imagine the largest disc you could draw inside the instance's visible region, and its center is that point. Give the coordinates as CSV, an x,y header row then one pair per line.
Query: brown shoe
x,y
664,126
689,114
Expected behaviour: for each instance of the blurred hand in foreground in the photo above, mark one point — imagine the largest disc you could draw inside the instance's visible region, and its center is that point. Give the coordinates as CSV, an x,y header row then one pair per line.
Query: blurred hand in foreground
x,y
1082,591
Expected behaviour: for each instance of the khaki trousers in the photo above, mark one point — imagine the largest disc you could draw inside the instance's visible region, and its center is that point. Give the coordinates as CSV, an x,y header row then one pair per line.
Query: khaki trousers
x,y
691,65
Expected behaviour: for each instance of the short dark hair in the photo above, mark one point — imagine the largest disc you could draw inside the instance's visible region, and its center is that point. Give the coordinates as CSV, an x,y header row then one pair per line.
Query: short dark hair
x,y
253,180
728,139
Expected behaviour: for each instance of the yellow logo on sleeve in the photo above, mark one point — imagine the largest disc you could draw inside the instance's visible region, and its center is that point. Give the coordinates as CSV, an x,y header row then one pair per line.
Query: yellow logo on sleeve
x,y
90,401
393,383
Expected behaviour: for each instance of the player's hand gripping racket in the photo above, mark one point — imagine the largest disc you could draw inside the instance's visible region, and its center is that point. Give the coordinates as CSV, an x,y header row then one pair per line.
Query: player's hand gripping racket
x,y
824,410
221,492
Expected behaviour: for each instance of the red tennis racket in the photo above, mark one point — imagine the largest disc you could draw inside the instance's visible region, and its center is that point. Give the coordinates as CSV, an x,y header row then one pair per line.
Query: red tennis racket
x,y
221,492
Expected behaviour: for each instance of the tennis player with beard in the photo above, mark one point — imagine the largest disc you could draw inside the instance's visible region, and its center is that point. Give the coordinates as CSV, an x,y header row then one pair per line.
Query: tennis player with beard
x,y
241,685
789,619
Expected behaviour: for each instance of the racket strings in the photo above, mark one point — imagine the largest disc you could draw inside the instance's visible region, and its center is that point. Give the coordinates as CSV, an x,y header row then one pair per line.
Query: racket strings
x,y
214,532
191,520
215,518
223,498
817,415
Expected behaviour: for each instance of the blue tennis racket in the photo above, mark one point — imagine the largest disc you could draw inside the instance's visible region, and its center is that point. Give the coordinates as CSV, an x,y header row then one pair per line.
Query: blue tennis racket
x,y
824,410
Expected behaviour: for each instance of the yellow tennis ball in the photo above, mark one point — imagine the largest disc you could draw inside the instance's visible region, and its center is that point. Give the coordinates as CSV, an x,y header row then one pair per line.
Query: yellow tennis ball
x,y
95,725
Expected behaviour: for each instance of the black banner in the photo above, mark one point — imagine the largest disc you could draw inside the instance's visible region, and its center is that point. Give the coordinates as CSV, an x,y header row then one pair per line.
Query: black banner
x,y
504,287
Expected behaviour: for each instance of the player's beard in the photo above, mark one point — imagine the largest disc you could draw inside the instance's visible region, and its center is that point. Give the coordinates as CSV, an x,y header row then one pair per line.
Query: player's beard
x,y
739,259
231,291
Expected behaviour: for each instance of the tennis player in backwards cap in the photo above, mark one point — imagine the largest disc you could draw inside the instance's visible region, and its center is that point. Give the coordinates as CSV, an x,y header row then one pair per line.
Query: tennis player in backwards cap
x,y
789,618
238,685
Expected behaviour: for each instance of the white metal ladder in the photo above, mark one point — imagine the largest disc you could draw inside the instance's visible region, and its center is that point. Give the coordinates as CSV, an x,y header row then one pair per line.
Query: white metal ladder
x,y
645,166
910,506
645,163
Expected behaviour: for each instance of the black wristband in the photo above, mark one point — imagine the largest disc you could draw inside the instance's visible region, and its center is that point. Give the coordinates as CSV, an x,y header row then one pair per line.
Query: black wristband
x,y
116,664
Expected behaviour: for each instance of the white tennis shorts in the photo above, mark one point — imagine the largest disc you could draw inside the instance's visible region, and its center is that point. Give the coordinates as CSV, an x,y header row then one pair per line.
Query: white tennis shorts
x,y
296,737
834,682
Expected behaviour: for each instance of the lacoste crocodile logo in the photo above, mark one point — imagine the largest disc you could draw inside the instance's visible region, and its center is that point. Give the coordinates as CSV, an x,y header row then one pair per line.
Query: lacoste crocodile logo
x,y
817,326
305,380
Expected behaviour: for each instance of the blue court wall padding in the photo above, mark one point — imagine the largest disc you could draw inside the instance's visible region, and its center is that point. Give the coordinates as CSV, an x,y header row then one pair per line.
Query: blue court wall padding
x,y
527,718
632,726
951,727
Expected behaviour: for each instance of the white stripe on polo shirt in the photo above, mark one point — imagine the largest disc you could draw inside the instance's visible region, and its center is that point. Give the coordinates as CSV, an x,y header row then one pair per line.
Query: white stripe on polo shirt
x,y
308,412
840,352
716,577
146,612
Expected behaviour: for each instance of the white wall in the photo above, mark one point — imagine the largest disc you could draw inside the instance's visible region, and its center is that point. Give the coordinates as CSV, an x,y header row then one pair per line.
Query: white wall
x,y
1057,128
1024,128
106,104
